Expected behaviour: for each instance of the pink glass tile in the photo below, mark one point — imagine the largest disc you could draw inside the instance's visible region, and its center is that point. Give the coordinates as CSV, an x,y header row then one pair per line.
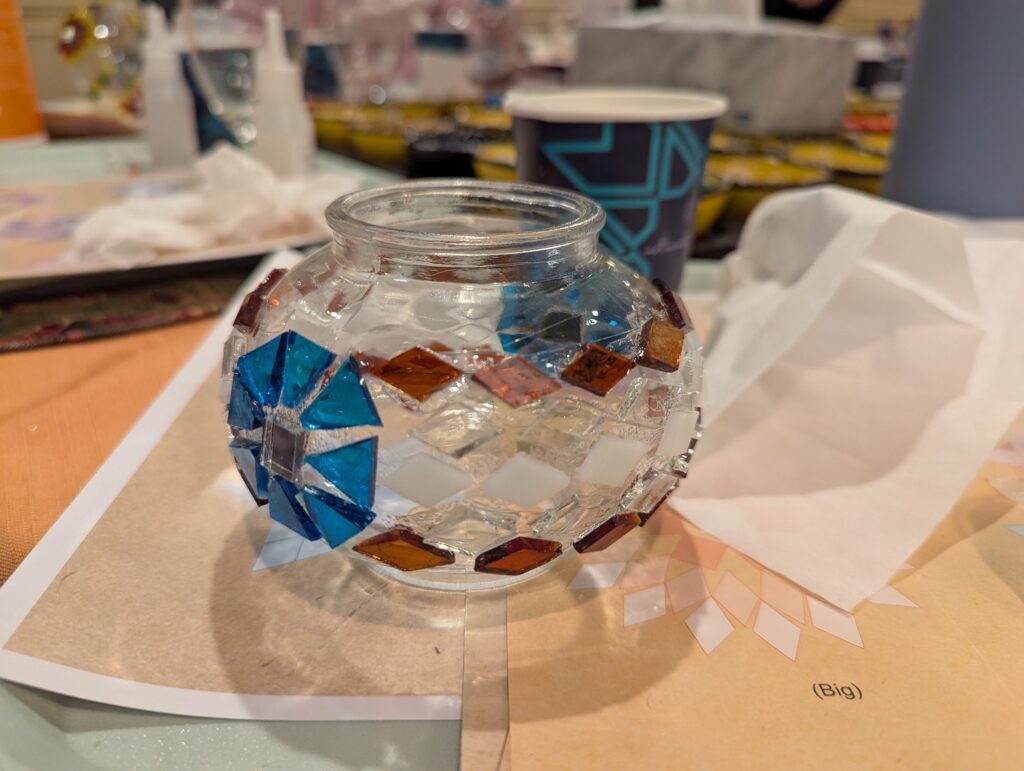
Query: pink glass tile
x,y
687,589
515,381
735,597
699,551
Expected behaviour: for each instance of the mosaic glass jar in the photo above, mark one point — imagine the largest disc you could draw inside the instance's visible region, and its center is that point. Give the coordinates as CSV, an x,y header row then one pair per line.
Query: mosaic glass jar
x,y
462,387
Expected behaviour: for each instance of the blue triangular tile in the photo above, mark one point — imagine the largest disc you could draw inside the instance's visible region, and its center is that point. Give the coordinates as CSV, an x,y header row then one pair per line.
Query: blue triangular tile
x,y
244,411
247,460
338,520
260,371
286,509
344,402
304,362
352,469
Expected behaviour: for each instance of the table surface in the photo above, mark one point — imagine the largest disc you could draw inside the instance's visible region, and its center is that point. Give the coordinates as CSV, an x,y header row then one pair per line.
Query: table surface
x,y
58,423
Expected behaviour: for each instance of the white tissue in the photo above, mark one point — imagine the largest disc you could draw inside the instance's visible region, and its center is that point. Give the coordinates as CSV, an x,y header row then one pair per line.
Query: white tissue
x,y
865,361
237,201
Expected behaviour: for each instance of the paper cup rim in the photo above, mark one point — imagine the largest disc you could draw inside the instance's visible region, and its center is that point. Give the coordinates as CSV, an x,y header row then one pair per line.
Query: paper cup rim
x,y
611,104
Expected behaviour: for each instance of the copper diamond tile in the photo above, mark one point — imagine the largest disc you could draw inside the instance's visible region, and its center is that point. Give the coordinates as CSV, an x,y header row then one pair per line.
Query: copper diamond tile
x,y
253,302
596,369
417,372
674,307
607,533
403,549
661,346
515,381
517,556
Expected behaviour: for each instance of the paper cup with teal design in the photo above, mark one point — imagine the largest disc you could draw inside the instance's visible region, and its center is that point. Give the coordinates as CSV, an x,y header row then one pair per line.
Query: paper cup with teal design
x,y
639,152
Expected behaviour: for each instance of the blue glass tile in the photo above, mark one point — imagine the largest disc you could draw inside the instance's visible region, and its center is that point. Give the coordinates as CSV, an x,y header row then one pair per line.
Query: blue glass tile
x,y
244,410
246,455
352,469
338,520
286,509
344,402
304,363
260,371
516,342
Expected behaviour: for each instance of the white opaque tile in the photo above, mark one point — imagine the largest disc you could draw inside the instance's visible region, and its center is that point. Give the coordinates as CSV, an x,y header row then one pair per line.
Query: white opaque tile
x,y
600,576
643,606
835,622
679,429
709,625
611,460
524,481
427,480
777,630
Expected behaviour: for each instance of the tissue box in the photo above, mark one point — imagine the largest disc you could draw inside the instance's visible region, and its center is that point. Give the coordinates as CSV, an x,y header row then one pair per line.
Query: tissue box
x,y
781,78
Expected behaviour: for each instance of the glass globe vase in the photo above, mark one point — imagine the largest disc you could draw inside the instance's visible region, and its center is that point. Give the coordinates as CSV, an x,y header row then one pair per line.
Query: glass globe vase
x,y
461,387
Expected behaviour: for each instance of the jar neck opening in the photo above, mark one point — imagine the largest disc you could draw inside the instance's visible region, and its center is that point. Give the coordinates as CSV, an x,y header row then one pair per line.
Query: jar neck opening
x,y
481,231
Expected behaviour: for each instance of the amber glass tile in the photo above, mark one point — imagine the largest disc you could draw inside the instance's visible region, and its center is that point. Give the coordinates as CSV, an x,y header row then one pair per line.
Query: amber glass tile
x,y
515,557
596,369
253,302
403,549
417,372
515,381
367,362
661,346
677,312
607,533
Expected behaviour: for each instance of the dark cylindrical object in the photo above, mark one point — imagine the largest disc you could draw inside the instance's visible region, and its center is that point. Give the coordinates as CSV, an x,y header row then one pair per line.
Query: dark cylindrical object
x,y
958,142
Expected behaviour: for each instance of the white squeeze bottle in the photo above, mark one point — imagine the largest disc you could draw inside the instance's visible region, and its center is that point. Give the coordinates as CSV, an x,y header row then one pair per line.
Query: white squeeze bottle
x,y
170,118
284,130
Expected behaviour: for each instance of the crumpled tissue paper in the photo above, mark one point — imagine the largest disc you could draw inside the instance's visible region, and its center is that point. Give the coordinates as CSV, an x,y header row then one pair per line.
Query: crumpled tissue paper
x,y
865,360
237,200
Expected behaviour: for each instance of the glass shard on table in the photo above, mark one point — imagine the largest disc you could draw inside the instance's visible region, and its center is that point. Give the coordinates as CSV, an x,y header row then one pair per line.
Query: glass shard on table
x,y
661,346
607,533
404,550
286,508
517,556
344,402
515,381
336,519
254,475
351,468
417,372
597,369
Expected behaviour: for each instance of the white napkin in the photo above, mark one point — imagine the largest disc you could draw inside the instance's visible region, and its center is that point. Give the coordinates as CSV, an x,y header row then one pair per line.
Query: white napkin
x,y
237,201
865,360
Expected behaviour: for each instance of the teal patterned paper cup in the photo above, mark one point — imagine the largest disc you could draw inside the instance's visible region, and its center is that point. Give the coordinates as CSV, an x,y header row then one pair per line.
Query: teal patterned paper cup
x,y
639,152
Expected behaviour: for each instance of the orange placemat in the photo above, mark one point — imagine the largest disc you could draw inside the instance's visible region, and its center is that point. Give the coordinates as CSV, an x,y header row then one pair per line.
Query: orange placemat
x,y
62,412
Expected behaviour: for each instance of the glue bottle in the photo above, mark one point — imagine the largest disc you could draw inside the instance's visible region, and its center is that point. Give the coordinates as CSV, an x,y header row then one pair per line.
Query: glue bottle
x,y
284,130
170,118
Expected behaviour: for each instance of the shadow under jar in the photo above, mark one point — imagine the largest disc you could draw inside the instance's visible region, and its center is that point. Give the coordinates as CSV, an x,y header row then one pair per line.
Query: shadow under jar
x,y
462,387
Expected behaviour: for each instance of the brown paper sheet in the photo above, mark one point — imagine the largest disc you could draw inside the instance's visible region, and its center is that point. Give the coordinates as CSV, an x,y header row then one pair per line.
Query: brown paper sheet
x,y
936,683
162,591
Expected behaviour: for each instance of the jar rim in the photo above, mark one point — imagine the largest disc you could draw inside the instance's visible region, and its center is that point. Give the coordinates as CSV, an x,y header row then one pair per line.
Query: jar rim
x,y
583,218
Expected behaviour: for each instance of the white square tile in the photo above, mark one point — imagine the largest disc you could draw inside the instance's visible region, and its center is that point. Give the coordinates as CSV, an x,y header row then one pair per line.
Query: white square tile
x,y
611,460
679,428
889,596
427,480
603,575
835,622
709,625
643,605
777,630
524,481
280,552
